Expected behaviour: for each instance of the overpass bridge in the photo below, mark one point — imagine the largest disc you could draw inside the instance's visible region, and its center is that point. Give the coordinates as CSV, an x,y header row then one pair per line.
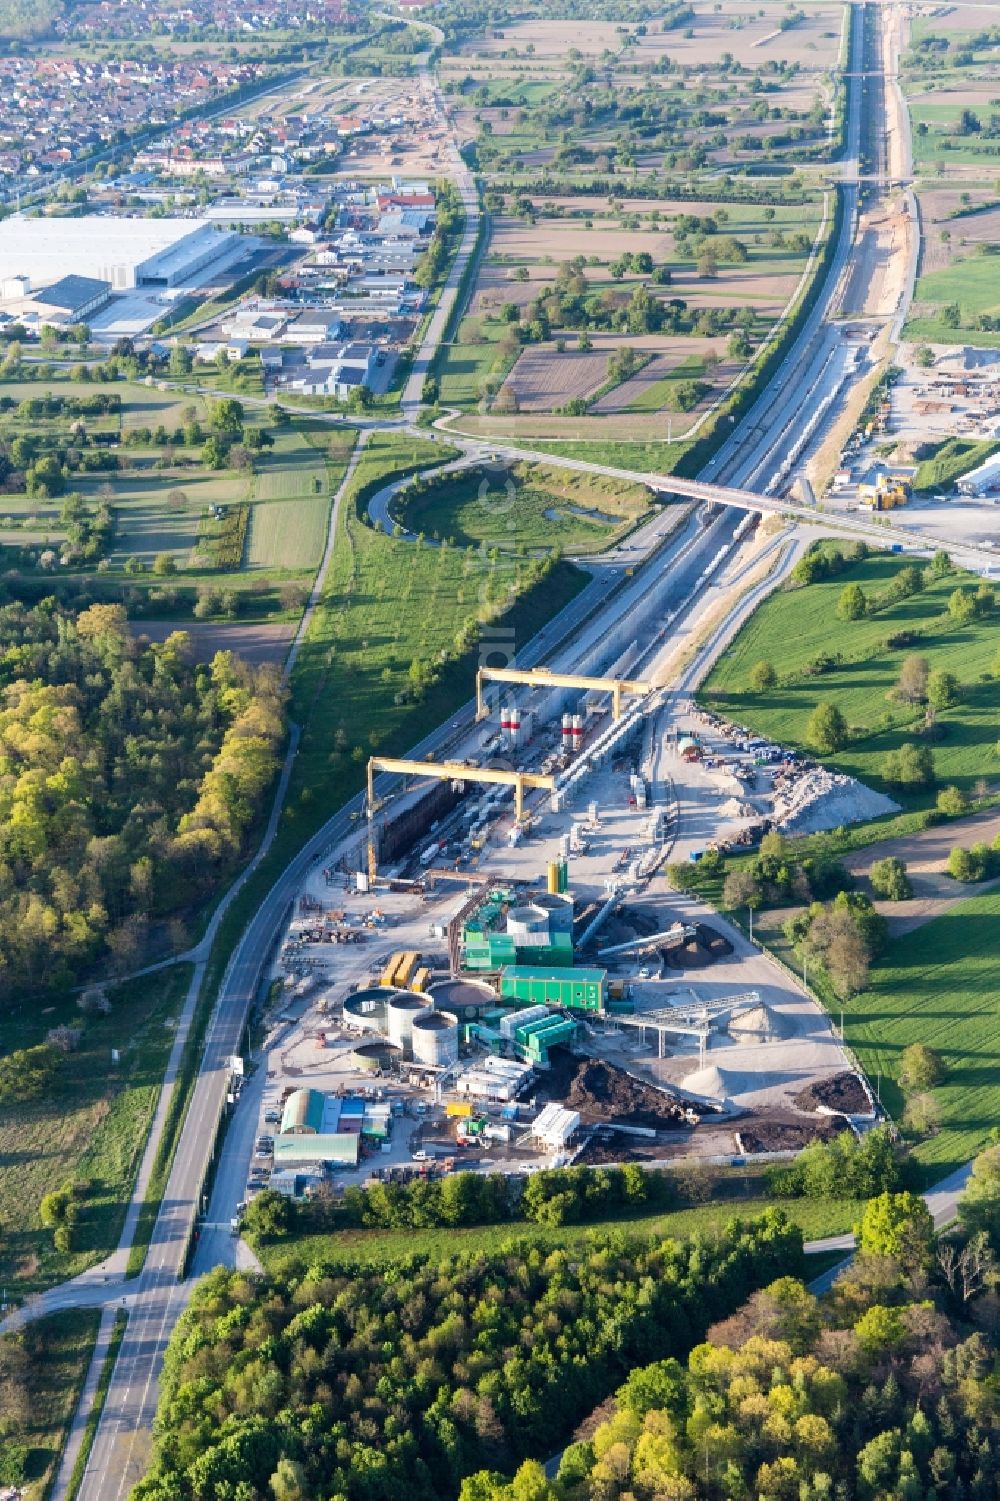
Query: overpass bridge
x,y
872,530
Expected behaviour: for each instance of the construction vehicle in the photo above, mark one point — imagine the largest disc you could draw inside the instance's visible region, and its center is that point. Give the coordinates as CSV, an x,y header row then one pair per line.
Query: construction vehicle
x,y
888,492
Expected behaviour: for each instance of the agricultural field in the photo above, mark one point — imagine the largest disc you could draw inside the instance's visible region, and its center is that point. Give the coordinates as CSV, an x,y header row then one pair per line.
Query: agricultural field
x,y
970,282
92,1127
565,288
528,507
950,69
797,627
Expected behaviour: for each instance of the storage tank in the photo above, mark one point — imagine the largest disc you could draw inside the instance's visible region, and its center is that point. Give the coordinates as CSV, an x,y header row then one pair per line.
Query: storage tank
x,y
376,1057
527,922
435,1039
515,727
567,731
558,907
365,1009
401,1010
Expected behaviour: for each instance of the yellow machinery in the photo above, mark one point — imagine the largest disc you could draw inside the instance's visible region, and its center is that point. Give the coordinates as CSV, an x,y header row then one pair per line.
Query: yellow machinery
x,y
389,973
448,771
421,980
887,492
541,677
406,968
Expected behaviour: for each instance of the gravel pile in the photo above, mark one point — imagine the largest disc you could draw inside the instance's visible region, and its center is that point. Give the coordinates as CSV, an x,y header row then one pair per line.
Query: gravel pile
x,y
811,801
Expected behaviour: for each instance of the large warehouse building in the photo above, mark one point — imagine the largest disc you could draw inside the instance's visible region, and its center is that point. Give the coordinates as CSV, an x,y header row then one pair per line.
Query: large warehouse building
x,y
125,253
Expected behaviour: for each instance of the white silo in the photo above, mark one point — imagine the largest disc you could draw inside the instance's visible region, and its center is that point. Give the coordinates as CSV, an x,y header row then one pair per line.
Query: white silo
x,y
401,1010
435,1039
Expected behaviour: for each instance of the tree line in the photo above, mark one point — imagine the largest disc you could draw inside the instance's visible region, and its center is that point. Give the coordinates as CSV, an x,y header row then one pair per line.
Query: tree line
x,y
884,1390
131,777
407,1379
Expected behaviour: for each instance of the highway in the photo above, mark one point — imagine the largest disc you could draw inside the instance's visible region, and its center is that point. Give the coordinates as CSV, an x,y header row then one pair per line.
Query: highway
x,y
751,456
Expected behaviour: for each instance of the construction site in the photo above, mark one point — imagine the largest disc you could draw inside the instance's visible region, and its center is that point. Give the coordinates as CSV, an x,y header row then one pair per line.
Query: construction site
x,y
500,962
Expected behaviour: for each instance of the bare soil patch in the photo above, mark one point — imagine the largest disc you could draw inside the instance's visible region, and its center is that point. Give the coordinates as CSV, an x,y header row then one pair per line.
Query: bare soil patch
x,y
543,380
925,855
549,38
265,642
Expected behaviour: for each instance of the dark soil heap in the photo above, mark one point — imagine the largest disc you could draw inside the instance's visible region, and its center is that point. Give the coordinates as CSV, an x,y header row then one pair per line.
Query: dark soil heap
x,y
604,1093
844,1092
703,949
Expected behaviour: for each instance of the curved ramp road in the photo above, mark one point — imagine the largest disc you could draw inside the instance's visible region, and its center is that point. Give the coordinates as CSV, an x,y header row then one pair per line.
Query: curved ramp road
x,y
748,461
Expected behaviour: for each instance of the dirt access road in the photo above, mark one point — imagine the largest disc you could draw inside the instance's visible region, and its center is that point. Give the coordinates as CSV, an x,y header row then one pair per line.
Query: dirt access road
x,y
926,857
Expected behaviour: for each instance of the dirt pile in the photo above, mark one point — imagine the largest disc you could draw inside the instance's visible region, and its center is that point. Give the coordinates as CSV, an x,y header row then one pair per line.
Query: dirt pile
x,y
703,949
603,1093
778,1135
807,801
844,1092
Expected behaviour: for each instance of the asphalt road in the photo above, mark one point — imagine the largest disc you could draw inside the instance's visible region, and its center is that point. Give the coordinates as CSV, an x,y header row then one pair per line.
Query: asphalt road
x,y
121,1446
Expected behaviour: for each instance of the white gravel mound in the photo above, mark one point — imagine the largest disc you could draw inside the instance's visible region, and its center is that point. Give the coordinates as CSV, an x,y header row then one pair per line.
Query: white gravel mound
x,y
820,799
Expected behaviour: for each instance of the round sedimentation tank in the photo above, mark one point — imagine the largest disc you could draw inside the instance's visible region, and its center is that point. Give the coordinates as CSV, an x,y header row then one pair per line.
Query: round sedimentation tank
x,y
401,1010
376,1057
435,1039
465,997
365,1009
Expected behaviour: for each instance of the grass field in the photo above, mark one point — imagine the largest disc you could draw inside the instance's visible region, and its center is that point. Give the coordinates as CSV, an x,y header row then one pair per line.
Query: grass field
x,y
953,458
288,534
59,1349
656,396
465,366
939,985
375,1247
973,281
93,1126
524,516
794,626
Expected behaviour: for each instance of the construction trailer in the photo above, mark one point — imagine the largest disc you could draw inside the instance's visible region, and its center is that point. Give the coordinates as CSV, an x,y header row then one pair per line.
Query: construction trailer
x,y
580,989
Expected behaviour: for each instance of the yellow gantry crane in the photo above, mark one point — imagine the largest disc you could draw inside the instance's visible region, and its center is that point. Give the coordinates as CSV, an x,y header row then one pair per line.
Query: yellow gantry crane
x,y
448,771
542,677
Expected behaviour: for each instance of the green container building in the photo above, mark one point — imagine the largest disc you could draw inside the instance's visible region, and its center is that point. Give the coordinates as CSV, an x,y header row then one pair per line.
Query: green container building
x,y
573,989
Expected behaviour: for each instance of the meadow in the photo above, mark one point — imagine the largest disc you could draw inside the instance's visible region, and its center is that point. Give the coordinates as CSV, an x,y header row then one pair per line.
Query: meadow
x,y
795,626
369,1248
972,281
938,985
93,1125
59,1349
518,511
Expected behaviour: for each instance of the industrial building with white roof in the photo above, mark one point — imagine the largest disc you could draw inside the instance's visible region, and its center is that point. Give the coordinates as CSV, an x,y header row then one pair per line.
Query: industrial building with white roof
x,y
122,252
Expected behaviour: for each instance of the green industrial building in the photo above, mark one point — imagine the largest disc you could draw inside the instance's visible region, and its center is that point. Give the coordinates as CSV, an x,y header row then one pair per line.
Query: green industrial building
x,y
492,951
573,989
535,1038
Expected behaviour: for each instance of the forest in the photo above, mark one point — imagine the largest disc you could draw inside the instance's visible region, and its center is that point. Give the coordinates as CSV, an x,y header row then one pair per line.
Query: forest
x,y
130,777
406,1381
883,1390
